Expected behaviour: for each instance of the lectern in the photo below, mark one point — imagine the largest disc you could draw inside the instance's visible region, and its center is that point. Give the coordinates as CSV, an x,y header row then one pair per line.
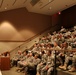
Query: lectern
x,y
5,63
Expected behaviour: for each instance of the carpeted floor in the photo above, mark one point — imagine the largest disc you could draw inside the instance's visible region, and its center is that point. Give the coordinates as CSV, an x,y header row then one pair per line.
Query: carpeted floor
x,y
12,71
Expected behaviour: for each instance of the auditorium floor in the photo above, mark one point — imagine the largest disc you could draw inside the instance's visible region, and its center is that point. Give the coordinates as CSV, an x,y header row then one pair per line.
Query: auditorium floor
x,y
61,72
12,71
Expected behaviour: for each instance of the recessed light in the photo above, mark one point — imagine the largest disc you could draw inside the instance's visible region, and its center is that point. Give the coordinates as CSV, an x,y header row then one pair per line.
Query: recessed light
x,y
49,0
5,7
49,7
59,13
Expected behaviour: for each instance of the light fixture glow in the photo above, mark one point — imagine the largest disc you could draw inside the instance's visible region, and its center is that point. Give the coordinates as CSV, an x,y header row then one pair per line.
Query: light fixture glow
x,y
49,7
49,0
8,31
59,13
5,8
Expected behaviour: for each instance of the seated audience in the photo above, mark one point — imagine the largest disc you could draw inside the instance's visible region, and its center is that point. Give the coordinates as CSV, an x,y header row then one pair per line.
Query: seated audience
x,y
41,56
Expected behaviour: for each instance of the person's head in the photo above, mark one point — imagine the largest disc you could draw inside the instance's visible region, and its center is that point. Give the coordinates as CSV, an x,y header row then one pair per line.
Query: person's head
x,y
52,45
34,45
48,33
25,52
38,45
61,27
42,52
65,44
48,52
42,44
31,54
74,36
36,55
19,52
55,44
8,55
61,45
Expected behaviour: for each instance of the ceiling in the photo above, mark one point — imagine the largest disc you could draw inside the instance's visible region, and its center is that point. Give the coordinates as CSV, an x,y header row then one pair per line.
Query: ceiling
x,y
47,7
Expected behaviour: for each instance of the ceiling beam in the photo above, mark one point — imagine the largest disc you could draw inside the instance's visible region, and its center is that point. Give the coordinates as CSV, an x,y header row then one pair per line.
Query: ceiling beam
x,y
1,3
47,4
14,2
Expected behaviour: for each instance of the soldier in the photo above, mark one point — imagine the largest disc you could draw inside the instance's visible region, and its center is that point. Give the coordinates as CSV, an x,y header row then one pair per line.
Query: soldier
x,y
25,62
62,29
32,64
73,68
48,68
75,27
64,67
24,57
42,63
16,58
69,56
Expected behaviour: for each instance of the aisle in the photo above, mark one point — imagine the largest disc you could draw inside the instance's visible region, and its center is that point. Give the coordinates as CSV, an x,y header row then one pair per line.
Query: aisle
x,y
12,71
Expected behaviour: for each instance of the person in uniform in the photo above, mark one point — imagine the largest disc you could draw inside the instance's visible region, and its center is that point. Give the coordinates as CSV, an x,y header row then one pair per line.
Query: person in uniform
x,y
33,64
48,68
42,63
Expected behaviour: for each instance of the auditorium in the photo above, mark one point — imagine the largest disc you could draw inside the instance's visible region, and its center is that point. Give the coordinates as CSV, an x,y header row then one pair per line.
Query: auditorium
x,y
37,37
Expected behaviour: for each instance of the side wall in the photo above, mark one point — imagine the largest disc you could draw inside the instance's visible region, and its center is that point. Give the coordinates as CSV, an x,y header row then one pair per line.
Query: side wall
x,y
20,25
68,17
56,19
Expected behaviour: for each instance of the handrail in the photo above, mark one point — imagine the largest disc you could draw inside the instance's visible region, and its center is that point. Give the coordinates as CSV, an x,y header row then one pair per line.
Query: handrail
x,y
35,36
73,50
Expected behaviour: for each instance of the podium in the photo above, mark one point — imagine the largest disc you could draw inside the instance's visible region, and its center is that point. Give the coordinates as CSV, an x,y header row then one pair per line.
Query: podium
x,y
0,72
5,63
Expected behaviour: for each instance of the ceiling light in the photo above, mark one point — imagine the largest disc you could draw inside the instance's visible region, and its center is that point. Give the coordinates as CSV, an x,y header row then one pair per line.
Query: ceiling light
x,y
49,0
49,7
59,13
5,7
